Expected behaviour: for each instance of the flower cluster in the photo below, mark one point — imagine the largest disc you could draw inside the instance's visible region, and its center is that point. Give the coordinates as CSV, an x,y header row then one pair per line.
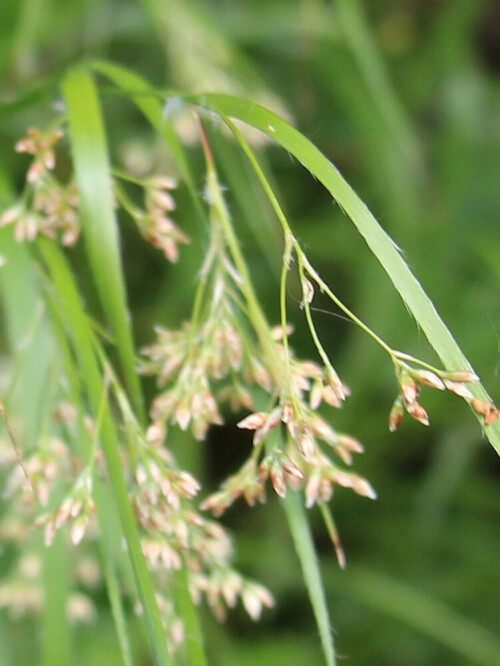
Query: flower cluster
x,y
47,207
412,379
192,364
77,508
50,208
174,535
50,469
155,222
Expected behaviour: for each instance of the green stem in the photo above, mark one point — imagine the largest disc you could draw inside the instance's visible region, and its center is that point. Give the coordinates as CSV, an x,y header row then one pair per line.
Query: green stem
x,y
287,230
287,256
254,310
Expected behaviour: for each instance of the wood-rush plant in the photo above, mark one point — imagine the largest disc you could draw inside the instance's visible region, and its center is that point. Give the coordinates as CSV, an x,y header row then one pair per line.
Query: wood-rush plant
x,y
100,469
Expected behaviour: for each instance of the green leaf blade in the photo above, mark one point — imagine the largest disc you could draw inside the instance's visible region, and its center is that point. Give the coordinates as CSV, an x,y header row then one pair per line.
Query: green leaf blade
x,y
93,175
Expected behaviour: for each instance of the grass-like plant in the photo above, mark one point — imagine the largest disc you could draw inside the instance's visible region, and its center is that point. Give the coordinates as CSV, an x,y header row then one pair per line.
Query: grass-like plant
x,y
103,479
97,456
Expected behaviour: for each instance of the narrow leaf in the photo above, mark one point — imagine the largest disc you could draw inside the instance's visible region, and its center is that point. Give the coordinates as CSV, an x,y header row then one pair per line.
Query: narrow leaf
x,y
93,174
304,546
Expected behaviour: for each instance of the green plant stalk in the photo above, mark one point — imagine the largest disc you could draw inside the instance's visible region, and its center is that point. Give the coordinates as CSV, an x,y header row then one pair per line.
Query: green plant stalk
x,y
287,257
302,258
294,511
254,310
303,541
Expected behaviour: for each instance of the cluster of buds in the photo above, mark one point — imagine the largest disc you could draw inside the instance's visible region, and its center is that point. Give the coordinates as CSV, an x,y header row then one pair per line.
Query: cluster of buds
x,y
223,588
41,146
50,469
48,207
155,222
77,508
322,384
302,463
245,483
410,382
45,468
219,350
160,489
189,402
174,535
304,428
191,363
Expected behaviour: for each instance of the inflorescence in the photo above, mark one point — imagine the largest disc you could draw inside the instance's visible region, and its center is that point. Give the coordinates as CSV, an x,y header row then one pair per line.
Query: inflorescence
x,y
227,357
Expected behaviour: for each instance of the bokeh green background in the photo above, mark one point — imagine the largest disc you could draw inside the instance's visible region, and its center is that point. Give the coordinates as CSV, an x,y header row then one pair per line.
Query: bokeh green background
x,y
404,97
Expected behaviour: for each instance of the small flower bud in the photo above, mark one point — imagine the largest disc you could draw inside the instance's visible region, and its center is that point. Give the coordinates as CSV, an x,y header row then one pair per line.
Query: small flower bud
x,y
277,477
458,389
333,380
416,410
362,487
396,414
156,433
492,416
78,529
460,376
291,469
409,389
307,290
486,409
429,378
305,443
253,421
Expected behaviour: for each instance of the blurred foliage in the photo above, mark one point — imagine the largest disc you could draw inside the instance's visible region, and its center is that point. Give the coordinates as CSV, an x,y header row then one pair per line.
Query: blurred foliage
x,y
404,96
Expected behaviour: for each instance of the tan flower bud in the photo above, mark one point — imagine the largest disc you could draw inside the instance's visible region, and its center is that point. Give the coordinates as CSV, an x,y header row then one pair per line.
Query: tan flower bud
x,y
316,395
182,416
362,487
416,410
351,443
344,454
277,477
291,469
409,389
78,529
253,421
156,433
396,414
461,376
305,443
430,379
288,413
332,379
458,389
307,290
